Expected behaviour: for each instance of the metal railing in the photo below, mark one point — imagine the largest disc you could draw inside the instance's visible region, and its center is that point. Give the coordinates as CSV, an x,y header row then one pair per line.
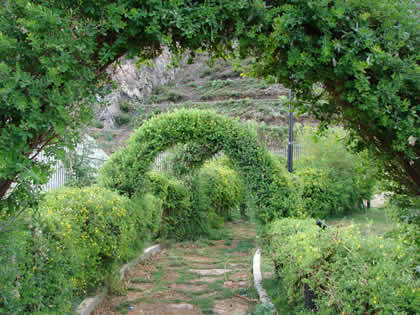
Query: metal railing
x,y
298,151
58,177
163,161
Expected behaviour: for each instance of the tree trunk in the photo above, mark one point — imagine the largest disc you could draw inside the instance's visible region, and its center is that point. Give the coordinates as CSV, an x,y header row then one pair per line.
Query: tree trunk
x,y
4,187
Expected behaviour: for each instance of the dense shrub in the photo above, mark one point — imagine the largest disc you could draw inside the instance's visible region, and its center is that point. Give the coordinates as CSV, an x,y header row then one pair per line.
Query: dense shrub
x,y
127,106
220,189
164,93
73,243
335,180
348,273
283,194
35,278
189,157
405,210
209,194
106,224
267,182
179,219
321,196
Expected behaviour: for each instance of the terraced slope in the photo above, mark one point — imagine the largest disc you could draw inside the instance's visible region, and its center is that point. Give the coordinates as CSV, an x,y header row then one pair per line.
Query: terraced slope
x,y
220,88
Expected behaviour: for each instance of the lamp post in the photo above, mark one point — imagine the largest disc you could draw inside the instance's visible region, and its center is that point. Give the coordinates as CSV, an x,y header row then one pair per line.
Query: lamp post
x,y
290,146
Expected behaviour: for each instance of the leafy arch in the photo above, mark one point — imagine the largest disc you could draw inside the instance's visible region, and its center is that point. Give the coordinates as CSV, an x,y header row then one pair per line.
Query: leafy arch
x,y
268,183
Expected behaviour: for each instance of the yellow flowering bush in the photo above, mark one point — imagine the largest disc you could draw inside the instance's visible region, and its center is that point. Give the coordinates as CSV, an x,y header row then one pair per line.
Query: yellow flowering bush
x,y
220,189
179,220
98,226
71,244
347,272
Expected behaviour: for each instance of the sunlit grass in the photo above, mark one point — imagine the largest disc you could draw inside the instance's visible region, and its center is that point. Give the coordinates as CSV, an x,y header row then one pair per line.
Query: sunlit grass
x,y
374,221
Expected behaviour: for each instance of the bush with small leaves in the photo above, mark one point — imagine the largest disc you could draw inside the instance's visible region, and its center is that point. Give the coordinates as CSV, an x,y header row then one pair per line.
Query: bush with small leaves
x,y
267,182
220,189
348,273
179,219
75,241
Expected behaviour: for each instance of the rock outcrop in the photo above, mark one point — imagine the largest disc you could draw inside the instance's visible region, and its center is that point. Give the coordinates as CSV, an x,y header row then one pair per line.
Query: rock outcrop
x,y
134,84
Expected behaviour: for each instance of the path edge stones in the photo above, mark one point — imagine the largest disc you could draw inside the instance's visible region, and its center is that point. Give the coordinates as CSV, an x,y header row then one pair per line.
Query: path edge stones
x,y
263,296
89,304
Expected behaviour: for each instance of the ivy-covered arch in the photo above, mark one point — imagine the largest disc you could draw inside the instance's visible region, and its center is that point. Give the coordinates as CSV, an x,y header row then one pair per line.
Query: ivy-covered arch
x,y
268,183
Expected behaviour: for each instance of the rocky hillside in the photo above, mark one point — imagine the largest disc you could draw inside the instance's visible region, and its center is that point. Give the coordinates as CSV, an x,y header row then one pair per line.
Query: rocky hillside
x,y
155,89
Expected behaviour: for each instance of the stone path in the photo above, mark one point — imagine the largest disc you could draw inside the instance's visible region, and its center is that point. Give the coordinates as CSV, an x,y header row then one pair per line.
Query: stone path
x,y
201,277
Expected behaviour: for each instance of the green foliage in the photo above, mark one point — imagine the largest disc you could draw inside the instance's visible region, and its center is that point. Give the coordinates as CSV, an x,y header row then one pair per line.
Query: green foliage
x,y
97,124
179,219
348,273
34,275
220,189
190,157
80,169
162,93
45,89
127,106
321,196
100,225
406,212
365,53
195,202
122,119
54,53
75,240
267,181
53,56
335,181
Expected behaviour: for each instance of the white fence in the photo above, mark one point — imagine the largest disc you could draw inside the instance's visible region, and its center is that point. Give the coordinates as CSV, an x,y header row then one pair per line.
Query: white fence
x,y
298,151
163,160
60,175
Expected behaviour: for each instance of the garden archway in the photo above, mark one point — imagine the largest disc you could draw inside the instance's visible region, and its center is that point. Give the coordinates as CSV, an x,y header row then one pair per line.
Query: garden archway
x,y
268,183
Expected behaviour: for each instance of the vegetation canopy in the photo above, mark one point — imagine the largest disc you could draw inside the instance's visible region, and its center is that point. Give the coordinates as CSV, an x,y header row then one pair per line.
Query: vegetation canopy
x,y
362,56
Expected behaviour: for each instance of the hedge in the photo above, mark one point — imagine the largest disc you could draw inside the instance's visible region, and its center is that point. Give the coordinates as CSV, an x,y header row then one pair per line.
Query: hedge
x,y
264,177
348,273
74,243
180,220
220,189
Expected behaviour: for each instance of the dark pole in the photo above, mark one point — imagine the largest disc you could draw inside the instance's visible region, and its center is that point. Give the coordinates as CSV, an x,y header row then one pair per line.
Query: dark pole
x,y
290,147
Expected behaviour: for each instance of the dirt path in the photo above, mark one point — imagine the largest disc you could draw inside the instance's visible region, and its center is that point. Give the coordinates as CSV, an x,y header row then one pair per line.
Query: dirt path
x,y
202,277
